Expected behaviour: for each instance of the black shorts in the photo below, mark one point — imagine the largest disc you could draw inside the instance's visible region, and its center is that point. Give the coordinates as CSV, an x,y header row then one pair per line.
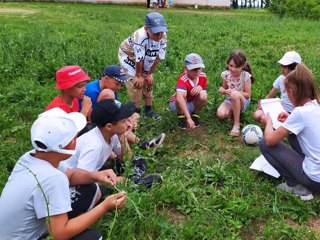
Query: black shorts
x,y
83,198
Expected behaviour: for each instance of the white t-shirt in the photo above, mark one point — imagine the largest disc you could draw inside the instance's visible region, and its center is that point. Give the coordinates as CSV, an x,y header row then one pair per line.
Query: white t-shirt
x,y
279,84
23,208
139,47
304,122
92,151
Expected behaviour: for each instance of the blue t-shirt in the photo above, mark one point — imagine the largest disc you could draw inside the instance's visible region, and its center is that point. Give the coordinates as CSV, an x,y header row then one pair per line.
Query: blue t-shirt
x,y
93,90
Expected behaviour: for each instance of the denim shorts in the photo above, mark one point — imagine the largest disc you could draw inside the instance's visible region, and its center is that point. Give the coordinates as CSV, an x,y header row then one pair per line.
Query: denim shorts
x,y
246,104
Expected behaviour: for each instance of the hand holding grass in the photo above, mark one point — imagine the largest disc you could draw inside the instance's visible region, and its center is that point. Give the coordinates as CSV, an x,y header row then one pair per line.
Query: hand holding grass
x,y
115,201
107,176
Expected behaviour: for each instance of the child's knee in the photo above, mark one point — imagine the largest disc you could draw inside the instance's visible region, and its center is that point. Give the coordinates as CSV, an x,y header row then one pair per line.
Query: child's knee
x,y
203,97
257,115
106,94
221,114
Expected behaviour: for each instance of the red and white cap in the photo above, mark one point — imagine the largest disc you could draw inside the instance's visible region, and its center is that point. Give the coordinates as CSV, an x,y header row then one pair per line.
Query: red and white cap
x,y
55,129
69,76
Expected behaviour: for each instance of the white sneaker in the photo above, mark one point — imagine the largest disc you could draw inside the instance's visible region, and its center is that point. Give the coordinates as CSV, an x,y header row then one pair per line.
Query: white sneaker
x,y
297,190
154,143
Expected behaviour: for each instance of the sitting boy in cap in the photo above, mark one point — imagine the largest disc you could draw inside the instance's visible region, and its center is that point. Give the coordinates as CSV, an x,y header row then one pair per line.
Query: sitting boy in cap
x,y
106,88
95,147
139,56
71,80
191,92
36,199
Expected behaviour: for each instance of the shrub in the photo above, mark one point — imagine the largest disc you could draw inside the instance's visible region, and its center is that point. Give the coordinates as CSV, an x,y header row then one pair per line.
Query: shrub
x,y
296,8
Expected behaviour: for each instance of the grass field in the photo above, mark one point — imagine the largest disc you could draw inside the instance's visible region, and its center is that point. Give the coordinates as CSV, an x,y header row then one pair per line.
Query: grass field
x,y
209,192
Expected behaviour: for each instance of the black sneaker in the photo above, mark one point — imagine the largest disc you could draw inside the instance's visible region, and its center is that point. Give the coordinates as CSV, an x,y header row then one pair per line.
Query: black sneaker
x,y
153,143
149,180
139,167
152,114
196,119
182,121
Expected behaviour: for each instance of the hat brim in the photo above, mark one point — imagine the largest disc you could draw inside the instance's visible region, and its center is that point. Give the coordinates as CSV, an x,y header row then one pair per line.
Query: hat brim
x,y
285,62
122,78
154,30
193,66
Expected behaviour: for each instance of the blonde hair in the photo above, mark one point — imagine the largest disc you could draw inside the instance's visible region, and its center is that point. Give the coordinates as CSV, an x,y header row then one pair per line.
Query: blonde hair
x,y
303,83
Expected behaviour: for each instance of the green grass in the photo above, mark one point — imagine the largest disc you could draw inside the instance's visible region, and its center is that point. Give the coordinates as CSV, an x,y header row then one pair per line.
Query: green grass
x,y
209,192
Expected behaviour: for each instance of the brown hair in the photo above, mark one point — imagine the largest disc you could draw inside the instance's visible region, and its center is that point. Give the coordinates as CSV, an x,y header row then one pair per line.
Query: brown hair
x,y
303,84
241,61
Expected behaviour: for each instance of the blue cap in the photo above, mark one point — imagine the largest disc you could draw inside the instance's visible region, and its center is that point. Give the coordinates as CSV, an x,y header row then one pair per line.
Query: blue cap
x,y
116,72
155,22
193,61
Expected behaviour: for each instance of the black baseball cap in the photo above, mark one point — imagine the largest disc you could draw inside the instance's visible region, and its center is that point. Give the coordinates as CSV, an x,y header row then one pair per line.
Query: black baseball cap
x,y
110,111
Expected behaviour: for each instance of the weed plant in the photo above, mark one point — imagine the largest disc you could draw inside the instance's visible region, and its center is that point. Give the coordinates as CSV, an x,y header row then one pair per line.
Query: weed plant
x,y
208,192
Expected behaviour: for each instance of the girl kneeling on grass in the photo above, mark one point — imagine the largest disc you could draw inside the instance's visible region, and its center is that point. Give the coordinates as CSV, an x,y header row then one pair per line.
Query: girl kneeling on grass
x,y
300,164
236,86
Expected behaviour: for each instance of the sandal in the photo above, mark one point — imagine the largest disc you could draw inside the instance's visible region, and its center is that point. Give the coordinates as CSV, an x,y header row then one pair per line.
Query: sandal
x,y
235,132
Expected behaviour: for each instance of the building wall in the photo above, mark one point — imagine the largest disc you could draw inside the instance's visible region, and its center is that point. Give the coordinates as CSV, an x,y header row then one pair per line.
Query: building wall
x,y
207,3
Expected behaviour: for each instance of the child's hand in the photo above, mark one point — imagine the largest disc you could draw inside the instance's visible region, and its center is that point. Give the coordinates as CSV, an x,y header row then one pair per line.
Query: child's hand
x,y
266,118
86,105
222,90
115,201
283,116
135,120
138,82
196,90
190,123
149,79
108,176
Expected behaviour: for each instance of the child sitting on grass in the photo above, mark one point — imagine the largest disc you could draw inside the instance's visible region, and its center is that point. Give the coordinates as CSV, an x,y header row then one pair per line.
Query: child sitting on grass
x,y
287,63
299,163
191,93
71,80
236,87
37,200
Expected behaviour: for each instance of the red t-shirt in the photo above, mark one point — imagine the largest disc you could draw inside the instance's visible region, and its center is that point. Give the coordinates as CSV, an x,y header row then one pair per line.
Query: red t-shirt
x,y
57,102
185,84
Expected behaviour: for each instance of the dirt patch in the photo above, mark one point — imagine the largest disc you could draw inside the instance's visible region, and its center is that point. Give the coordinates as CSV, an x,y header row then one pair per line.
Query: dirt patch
x,y
314,224
257,227
173,215
16,10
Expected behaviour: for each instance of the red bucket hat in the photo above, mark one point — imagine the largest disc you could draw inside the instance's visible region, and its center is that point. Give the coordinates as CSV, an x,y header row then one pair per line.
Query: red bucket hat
x,y
69,76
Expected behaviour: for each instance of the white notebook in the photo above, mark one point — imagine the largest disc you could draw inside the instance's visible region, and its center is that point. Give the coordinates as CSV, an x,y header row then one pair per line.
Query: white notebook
x,y
261,164
274,108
